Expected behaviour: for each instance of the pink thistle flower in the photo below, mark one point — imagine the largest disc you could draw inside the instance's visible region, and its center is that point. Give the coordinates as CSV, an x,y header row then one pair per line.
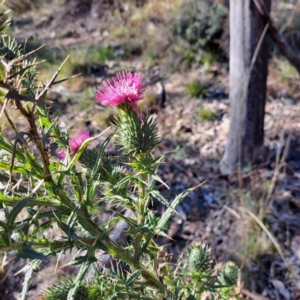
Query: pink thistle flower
x,y
77,141
124,88
74,143
61,154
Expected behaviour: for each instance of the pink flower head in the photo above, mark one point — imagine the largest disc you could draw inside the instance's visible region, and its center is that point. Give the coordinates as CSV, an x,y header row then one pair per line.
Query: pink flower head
x,y
125,87
74,143
77,141
61,154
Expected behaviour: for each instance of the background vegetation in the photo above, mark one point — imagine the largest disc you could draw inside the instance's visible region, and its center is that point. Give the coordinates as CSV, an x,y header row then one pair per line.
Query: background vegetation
x,y
181,48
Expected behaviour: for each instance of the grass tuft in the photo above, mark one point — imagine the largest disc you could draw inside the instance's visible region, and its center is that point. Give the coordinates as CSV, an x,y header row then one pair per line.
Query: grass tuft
x,y
196,89
206,114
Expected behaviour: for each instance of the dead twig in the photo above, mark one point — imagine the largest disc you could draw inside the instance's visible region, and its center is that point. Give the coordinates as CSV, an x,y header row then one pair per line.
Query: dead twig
x,y
9,65
12,94
52,79
253,296
19,139
279,164
279,40
268,233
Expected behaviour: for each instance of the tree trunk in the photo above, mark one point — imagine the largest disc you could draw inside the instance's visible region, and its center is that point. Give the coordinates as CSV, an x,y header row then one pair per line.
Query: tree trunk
x,y
246,116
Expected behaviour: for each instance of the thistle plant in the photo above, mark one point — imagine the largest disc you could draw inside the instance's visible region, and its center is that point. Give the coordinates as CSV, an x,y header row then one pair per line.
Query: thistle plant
x,y
42,190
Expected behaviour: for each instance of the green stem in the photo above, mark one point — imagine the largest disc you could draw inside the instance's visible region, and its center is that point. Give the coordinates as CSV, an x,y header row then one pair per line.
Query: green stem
x,y
63,197
141,219
150,277
11,202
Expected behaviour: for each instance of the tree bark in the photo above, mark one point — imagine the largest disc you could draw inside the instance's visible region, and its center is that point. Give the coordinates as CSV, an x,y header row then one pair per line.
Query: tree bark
x,y
246,132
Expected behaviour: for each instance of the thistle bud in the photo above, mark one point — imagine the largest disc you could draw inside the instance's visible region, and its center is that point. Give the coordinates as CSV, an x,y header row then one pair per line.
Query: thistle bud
x,y
229,274
132,136
199,258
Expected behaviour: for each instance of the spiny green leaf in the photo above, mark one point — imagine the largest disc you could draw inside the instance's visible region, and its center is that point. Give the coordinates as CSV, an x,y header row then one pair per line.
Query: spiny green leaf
x,y
157,195
101,152
3,225
79,278
42,227
15,211
130,221
157,178
166,216
28,252
125,181
152,219
133,277
30,270
67,229
138,229
17,169
81,259
168,213
72,218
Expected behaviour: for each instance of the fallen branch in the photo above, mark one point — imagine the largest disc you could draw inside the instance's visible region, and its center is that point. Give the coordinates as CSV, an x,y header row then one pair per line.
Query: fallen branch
x,y
279,40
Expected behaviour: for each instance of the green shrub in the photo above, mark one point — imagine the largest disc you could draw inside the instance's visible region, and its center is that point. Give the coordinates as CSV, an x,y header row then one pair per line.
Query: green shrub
x,y
83,60
200,31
